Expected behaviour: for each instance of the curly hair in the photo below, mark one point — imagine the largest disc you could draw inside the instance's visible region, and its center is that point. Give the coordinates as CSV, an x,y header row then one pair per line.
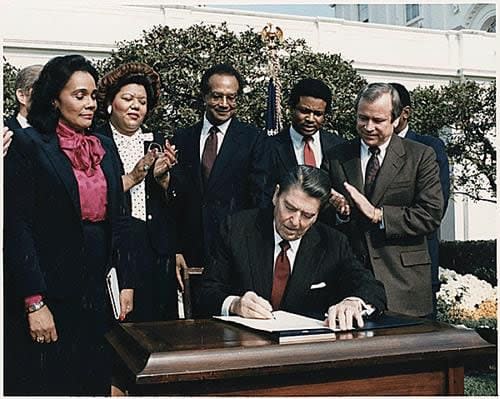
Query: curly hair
x,y
310,87
132,72
42,115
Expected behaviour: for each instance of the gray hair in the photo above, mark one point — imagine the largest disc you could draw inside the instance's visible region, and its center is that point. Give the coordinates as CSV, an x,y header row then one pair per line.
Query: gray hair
x,y
374,91
313,181
27,76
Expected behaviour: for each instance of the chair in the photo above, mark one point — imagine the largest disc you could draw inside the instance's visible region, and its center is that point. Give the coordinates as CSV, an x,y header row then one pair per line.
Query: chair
x,y
187,295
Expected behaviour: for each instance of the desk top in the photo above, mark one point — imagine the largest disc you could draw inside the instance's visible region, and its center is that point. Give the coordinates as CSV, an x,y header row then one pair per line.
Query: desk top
x,y
188,350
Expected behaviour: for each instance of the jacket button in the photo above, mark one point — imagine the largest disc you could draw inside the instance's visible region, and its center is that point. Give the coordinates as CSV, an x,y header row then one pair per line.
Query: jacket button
x,y
150,217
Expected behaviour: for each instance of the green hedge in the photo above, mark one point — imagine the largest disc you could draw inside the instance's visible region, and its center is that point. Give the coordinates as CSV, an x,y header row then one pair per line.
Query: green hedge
x,y
470,257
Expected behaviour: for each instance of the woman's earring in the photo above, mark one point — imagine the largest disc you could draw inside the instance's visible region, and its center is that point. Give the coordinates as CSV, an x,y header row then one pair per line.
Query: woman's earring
x,y
109,109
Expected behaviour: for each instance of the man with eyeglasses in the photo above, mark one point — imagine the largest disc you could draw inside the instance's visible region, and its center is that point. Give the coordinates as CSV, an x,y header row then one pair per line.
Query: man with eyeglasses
x,y
304,142
222,167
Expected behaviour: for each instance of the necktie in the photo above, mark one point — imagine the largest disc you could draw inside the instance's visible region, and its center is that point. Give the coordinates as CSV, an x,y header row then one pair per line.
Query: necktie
x,y
372,168
281,275
309,159
209,153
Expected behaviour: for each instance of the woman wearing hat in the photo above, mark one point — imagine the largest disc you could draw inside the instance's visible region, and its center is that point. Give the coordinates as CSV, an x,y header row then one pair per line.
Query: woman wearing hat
x,y
126,96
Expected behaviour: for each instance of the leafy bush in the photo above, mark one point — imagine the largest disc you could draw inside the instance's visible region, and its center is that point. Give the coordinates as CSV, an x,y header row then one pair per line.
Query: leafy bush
x,y
480,384
9,94
470,257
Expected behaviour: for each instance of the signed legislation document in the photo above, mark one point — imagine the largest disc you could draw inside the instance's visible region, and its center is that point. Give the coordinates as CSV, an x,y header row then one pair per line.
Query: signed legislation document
x,y
286,327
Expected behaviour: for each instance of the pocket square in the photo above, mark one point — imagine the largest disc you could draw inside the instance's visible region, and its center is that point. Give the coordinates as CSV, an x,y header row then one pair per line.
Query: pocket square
x,y
319,285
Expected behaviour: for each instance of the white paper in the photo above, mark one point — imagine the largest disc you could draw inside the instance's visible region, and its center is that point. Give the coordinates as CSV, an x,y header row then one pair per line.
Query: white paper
x,y
282,321
113,291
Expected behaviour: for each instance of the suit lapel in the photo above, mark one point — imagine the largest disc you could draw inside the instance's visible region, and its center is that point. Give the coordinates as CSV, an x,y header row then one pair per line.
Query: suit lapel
x,y
261,254
393,161
192,154
351,163
107,169
308,259
286,152
62,168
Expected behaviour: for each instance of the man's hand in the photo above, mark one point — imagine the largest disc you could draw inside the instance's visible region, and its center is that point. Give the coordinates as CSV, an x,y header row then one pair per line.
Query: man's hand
x,y
41,325
363,204
340,203
126,302
252,306
344,313
180,265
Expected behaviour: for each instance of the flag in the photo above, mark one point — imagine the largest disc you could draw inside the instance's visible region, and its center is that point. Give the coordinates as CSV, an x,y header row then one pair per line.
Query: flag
x,y
272,120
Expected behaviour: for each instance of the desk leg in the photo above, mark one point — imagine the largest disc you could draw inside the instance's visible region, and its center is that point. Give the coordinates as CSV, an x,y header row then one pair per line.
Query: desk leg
x,y
456,380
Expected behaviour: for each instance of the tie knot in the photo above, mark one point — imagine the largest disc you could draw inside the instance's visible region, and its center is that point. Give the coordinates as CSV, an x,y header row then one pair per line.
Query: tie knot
x,y
308,139
213,130
285,245
374,150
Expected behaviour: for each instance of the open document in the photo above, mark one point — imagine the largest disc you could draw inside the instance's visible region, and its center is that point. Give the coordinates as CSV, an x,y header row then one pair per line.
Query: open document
x,y
286,327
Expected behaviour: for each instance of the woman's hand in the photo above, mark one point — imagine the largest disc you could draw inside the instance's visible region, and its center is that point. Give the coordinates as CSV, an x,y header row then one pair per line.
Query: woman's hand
x,y
126,302
164,162
42,326
140,171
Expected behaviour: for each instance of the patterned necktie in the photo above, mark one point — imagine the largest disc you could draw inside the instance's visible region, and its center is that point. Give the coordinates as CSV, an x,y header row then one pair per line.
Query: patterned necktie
x,y
281,275
309,159
372,168
209,153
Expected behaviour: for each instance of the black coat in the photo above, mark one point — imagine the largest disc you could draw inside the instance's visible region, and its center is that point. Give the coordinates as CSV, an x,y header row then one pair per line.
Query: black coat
x,y
236,182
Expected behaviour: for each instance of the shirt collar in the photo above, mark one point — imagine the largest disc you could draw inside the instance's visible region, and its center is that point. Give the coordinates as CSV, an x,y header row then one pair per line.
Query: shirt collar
x,y
404,132
22,121
294,245
207,125
136,137
383,147
298,138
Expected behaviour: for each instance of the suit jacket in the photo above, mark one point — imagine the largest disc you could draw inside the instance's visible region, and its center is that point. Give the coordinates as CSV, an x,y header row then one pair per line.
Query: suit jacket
x,y
159,214
244,257
43,231
282,156
444,177
236,182
12,123
408,189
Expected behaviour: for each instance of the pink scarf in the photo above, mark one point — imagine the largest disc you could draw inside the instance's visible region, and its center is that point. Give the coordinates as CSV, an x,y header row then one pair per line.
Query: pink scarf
x,y
85,152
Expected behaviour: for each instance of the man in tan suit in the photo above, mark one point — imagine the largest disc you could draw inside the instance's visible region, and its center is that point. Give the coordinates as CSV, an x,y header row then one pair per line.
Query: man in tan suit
x,y
387,194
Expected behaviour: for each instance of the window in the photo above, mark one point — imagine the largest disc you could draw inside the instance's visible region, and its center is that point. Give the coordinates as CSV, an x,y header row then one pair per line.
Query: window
x,y
412,11
363,12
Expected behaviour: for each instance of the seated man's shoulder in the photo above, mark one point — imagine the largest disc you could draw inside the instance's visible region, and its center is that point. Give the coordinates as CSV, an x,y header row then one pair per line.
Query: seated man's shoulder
x,y
329,233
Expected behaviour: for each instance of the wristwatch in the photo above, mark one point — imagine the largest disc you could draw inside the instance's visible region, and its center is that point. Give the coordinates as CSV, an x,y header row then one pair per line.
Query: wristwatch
x,y
35,306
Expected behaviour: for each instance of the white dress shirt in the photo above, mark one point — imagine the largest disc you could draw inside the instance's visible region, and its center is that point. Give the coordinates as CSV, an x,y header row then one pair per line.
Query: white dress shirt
x,y
220,134
298,146
131,149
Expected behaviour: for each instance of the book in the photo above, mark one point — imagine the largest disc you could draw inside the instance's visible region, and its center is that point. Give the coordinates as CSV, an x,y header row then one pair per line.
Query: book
x,y
286,327
113,291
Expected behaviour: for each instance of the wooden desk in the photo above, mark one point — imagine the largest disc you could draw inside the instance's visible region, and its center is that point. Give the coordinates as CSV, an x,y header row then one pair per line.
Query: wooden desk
x,y
209,357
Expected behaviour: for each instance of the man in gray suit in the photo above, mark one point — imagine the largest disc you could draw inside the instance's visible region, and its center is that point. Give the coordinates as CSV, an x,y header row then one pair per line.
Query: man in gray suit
x,y
281,258
388,191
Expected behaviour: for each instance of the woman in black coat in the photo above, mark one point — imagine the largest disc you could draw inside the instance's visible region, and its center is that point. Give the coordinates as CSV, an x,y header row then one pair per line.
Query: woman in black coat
x,y
126,96
65,227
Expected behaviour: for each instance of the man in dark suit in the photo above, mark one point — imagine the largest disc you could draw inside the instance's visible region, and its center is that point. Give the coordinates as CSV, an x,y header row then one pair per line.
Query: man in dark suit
x,y
23,86
314,269
388,190
304,142
404,131
222,167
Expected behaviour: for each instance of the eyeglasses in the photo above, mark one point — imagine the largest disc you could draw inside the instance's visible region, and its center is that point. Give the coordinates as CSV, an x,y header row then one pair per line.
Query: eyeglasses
x,y
219,97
